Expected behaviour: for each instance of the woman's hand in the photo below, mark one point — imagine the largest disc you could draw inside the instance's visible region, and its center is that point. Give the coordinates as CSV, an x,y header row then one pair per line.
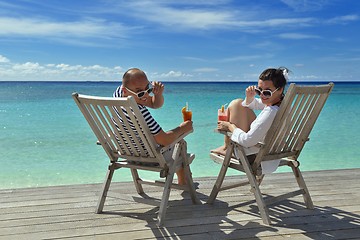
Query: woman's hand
x,y
226,126
250,94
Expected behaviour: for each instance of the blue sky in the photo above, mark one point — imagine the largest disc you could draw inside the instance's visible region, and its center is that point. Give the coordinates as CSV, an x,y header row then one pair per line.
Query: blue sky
x,y
183,40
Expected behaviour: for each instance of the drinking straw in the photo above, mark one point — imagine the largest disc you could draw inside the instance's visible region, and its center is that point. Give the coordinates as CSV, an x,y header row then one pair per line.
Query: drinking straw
x,y
223,107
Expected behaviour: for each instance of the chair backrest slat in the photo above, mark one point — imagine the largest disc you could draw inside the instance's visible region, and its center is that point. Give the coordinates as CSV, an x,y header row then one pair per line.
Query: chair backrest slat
x,y
297,122
103,123
315,112
114,132
284,133
90,115
126,134
294,121
302,122
120,128
142,135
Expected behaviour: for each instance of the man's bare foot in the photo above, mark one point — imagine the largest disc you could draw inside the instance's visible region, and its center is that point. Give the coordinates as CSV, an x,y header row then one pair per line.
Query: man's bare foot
x,y
220,150
181,176
181,182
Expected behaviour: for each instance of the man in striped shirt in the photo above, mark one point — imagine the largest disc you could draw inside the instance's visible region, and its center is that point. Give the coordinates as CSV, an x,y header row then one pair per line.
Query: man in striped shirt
x,y
135,83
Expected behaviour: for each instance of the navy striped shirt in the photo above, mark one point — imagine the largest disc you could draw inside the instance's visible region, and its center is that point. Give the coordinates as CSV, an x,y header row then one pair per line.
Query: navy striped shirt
x,y
150,121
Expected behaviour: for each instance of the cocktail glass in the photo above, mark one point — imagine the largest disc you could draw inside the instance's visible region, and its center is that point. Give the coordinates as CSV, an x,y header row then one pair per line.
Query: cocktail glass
x,y
187,115
222,115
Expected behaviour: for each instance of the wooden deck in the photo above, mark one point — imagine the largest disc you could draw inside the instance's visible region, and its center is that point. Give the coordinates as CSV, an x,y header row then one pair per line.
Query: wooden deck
x,y
62,212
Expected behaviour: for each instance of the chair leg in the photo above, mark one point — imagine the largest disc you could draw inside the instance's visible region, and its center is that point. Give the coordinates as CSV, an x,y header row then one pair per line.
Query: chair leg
x,y
264,213
135,176
302,185
166,195
105,188
189,180
221,175
259,179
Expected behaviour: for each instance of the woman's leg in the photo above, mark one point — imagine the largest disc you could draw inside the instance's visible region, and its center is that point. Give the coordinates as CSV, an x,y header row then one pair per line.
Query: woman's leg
x,y
239,115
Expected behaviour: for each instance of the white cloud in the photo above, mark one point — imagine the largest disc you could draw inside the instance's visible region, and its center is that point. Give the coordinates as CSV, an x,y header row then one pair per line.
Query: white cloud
x,y
297,36
245,58
68,32
206,69
59,72
35,71
306,5
275,22
339,59
172,74
3,59
299,65
183,18
195,59
201,17
343,19
309,77
28,68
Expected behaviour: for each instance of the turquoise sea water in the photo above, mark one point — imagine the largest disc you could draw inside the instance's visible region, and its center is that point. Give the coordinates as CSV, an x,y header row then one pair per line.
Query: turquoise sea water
x,y
46,141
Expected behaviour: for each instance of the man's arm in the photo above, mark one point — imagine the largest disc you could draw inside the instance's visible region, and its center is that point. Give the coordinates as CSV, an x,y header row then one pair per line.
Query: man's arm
x,y
166,138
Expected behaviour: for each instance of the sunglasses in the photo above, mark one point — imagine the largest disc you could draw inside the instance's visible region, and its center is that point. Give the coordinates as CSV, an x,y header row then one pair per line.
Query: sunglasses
x,y
142,93
265,93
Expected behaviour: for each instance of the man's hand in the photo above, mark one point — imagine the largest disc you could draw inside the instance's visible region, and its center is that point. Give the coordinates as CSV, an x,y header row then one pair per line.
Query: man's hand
x,y
158,99
158,88
186,126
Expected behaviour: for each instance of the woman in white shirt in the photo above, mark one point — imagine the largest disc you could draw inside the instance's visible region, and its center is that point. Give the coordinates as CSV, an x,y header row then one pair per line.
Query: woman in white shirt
x,y
247,128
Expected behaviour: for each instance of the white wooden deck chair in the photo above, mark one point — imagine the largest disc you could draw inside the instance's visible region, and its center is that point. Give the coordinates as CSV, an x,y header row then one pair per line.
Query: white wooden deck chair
x,y
285,140
129,144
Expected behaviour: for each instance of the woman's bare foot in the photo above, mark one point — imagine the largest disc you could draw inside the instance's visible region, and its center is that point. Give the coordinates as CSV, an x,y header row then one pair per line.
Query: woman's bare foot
x,y
220,150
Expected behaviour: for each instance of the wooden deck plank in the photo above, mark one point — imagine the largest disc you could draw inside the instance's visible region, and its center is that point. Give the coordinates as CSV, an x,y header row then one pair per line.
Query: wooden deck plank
x,y
68,211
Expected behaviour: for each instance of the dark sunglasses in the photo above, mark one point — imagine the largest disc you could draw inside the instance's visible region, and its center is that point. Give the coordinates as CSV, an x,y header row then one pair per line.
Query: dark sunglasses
x,y
142,93
265,93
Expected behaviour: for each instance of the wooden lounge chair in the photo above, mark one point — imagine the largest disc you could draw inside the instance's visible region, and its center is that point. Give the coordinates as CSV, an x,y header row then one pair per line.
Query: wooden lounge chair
x,y
285,140
129,144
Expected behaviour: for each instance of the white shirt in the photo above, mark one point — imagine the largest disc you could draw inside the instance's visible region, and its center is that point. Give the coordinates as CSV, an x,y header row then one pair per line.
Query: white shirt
x,y
258,129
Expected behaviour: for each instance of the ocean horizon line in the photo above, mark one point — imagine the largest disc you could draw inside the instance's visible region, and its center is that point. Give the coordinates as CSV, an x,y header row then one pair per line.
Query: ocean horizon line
x,y
183,81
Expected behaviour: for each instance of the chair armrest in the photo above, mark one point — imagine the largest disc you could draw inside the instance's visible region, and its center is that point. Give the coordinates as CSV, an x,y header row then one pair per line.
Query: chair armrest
x,y
162,149
223,132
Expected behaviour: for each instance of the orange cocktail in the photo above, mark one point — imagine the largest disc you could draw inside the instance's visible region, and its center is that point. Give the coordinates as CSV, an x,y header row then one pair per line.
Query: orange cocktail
x,y
187,113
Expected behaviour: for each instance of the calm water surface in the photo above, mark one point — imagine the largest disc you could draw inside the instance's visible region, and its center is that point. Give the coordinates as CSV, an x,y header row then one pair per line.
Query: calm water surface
x,y
46,141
